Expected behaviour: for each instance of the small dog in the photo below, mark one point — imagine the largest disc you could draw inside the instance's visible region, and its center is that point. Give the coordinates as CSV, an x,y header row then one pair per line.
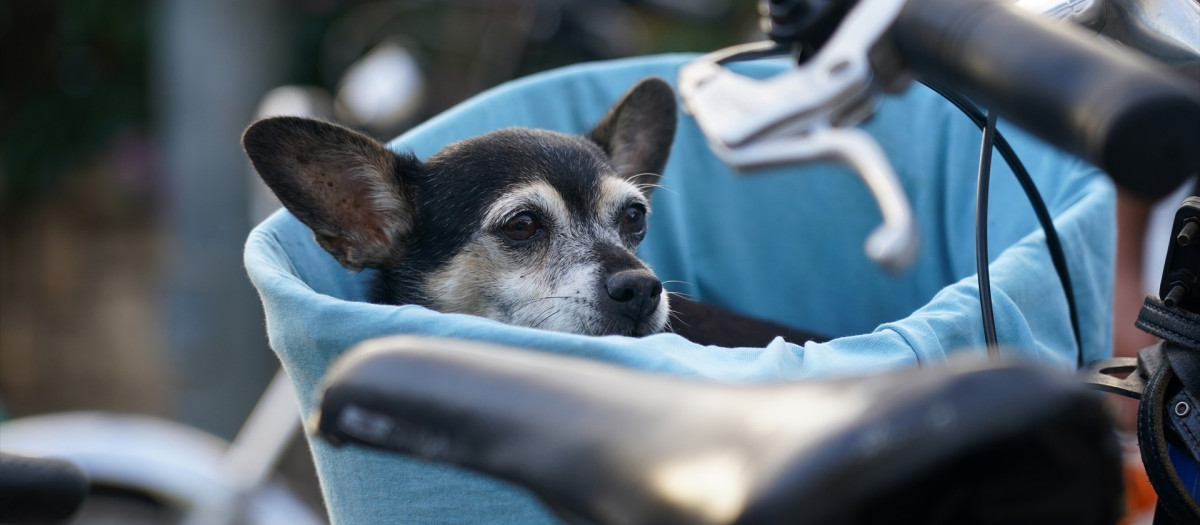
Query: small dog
x,y
528,227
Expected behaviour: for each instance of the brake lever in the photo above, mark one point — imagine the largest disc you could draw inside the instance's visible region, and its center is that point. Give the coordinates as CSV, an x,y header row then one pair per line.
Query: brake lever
x,y
806,114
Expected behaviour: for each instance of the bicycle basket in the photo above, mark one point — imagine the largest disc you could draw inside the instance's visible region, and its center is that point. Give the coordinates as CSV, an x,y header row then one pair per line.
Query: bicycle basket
x,y
784,245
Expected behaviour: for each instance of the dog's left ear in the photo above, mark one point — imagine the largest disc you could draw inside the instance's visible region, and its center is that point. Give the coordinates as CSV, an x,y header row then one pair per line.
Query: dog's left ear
x,y
637,132
350,190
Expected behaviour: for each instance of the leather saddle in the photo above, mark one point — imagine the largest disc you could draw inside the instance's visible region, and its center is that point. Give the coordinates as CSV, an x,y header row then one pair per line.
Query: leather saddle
x,y
969,442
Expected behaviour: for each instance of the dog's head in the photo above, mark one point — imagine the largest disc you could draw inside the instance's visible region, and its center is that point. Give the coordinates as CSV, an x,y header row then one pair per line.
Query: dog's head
x,y
528,227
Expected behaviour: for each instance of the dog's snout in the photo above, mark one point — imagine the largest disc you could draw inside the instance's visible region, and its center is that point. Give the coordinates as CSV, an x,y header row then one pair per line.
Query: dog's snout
x,y
633,285
636,292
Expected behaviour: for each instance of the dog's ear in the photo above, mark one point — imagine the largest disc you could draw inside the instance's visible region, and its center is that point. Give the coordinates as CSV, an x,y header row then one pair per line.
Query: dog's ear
x,y
344,185
637,132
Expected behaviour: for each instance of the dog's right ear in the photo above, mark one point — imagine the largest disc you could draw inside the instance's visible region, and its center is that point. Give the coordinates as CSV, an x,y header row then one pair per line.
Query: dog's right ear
x,y
638,130
344,185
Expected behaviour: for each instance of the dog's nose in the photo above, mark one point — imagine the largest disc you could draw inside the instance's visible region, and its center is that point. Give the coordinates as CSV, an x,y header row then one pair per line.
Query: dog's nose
x,y
636,292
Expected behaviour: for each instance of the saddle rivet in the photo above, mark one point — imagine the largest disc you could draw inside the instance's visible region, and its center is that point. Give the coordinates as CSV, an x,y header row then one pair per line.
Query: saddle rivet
x,y
1182,408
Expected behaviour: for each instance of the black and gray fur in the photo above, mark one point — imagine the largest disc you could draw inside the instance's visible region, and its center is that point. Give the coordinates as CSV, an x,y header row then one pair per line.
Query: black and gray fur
x,y
449,233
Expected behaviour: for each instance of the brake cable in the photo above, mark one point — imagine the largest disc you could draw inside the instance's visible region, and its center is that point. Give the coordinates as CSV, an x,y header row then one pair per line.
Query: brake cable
x,y
982,271
1041,211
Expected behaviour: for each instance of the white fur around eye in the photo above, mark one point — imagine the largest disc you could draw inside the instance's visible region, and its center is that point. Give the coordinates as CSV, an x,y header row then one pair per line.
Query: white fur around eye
x,y
615,194
538,196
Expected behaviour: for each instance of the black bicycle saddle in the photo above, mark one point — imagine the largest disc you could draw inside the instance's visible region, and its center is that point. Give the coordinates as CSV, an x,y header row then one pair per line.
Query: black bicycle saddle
x,y
970,442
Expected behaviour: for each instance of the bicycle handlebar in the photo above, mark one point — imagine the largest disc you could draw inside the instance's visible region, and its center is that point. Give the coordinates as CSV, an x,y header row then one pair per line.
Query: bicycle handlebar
x,y
1109,105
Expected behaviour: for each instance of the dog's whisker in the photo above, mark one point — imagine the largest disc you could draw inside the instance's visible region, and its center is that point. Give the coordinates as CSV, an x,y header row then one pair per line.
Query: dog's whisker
x,y
540,316
609,327
643,186
674,293
551,313
671,319
538,322
539,299
548,297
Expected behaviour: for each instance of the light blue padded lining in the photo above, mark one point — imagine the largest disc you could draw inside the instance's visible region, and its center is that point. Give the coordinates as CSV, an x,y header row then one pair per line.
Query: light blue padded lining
x,y
784,245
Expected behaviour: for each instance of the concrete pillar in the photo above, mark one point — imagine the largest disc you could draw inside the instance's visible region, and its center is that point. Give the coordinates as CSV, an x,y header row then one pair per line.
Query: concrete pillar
x,y
211,61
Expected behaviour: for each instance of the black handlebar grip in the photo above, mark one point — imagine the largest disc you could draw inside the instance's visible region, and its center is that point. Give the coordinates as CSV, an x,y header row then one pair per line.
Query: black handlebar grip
x,y
1108,105
39,490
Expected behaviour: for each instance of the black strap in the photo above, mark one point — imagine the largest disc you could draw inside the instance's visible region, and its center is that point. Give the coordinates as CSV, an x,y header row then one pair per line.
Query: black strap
x,y
1184,418
1186,364
1162,516
1173,324
1163,407
1152,440
1181,329
1183,411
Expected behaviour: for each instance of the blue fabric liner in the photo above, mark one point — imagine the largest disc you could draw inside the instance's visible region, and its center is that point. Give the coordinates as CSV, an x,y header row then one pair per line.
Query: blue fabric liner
x,y
785,244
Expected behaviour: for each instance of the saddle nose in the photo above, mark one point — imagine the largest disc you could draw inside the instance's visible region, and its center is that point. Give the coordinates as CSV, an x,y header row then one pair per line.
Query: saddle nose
x,y
635,292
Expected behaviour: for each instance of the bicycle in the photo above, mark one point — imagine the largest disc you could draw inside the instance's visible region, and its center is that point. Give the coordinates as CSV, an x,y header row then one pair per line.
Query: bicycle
x,y
136,469
392,395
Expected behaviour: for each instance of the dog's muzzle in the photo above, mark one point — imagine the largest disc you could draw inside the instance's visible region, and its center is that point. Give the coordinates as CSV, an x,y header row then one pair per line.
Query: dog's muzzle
x,y
634,294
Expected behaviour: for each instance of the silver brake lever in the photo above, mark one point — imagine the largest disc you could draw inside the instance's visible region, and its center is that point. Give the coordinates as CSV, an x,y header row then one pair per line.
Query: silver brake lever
x,y
893,244
805,114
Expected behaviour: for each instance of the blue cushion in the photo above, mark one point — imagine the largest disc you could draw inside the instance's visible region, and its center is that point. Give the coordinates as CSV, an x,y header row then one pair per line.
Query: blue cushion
x,y
784,245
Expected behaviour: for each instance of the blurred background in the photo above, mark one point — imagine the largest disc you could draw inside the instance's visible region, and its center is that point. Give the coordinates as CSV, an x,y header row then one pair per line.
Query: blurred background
x,y
125,197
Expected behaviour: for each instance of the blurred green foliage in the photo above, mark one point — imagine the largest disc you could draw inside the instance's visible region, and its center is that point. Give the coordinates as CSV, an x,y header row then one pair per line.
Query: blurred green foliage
x,y
73,74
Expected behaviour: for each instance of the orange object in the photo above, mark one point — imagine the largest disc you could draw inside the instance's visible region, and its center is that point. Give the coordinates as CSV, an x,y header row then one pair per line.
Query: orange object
x,y
1139,494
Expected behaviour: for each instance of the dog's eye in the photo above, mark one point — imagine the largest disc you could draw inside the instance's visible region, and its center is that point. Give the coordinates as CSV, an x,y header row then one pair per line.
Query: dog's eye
x,y
521,227
633,219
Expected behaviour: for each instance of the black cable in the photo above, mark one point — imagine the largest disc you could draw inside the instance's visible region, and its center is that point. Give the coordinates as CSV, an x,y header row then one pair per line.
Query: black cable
x,y
1057,256
981,229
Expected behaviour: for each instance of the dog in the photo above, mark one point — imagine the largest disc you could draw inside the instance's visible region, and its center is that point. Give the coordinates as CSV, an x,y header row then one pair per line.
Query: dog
x,y
529,227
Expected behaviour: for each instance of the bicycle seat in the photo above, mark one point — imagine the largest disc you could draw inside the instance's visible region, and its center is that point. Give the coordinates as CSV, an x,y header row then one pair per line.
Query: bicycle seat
x,y
970,442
